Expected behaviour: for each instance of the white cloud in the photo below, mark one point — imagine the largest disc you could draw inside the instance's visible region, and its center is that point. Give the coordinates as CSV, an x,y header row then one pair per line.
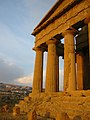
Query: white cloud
x,y
27,80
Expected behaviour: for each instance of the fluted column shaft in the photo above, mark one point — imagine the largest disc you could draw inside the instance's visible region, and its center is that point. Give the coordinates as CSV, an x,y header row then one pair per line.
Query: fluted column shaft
x,y
87,21
80,71
51,67
38,71
69,61
89,39
57,73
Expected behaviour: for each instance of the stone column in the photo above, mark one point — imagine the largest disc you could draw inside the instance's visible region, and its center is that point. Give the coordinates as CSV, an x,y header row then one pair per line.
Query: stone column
x,y
87,21
38,71
57,73
51,67
80,72
69,61
62,116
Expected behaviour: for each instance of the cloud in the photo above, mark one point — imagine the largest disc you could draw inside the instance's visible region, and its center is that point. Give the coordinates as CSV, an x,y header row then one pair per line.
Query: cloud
x,y
16,48
18,18
9,72
27,80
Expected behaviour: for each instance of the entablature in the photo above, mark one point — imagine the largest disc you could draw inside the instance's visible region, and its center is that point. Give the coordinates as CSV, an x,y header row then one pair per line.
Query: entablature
x,y
76,13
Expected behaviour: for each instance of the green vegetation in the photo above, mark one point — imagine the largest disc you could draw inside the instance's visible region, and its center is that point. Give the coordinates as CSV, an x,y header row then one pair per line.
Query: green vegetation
x,y
9,100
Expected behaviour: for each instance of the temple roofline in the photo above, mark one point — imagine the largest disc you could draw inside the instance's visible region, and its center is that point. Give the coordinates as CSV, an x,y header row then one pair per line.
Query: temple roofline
x,y
49,13
44,21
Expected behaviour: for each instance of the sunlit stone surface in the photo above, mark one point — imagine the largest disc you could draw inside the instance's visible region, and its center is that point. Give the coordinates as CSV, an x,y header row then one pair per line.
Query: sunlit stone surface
x,y
68,20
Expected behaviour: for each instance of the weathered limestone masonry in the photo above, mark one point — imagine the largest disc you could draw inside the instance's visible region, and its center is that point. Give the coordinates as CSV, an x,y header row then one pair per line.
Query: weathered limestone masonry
x,y
51,67
38,71
69,56
68,20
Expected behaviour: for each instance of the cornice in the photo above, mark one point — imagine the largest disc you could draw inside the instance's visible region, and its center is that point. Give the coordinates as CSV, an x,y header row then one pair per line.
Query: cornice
x,y
46,21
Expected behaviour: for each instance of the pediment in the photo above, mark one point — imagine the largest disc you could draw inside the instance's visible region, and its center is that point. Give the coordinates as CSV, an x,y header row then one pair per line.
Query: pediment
x,y
50,13
58,9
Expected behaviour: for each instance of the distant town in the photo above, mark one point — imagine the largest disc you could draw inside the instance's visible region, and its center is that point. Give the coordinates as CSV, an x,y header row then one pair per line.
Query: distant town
x,y
7,89
11,94
10,88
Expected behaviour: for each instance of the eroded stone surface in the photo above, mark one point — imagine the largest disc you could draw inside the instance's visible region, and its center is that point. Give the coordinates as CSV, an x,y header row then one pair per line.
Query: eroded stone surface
x,y
61,102
62,21
5,108
32,115
16,110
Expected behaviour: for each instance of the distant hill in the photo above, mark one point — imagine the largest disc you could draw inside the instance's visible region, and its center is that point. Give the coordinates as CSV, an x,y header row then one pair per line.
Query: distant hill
x,y
14,88
11,94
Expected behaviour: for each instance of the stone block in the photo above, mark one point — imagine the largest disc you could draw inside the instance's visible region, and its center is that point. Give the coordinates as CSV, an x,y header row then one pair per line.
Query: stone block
x,y
76,93
86,93
47,115
5,108
62,116
32,115
16,110
77,118
21,102
26,99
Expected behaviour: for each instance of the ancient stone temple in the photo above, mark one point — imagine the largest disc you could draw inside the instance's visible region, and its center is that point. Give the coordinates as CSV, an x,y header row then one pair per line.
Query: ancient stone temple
x,y
68,20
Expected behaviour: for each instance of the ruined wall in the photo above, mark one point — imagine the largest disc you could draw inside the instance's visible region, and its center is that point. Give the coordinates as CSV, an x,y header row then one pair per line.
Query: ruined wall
x,y
76,103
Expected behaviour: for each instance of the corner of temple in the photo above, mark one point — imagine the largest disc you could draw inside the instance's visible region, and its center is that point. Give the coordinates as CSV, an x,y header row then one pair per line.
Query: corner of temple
x,y
87,19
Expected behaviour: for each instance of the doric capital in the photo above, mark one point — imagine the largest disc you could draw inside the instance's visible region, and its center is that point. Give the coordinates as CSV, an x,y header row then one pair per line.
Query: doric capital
x,y
37,49
87,20
69,31
52,41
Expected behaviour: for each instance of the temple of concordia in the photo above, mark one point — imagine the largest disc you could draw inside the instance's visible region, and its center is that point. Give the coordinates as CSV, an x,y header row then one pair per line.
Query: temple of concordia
x,y
68,20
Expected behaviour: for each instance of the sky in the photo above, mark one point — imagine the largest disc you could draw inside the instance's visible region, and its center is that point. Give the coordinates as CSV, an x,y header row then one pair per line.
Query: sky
x,y
18,18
